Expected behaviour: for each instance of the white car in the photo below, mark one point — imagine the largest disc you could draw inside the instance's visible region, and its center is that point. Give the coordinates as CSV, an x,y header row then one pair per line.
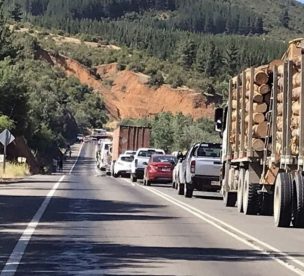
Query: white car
x,y
123,165
104,156
130,152
177,178
141,159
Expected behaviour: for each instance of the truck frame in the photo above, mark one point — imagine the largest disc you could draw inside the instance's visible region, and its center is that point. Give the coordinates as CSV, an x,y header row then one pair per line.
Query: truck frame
x,y
265,182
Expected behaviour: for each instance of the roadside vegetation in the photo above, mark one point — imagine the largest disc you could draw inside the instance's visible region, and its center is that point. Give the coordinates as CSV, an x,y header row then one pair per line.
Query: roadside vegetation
x,y
39,102
193,43
14,170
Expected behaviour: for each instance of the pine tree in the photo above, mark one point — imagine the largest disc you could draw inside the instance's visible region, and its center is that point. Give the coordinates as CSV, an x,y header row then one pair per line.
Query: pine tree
x,y
187,54
213,61
231,59
284,18
16,13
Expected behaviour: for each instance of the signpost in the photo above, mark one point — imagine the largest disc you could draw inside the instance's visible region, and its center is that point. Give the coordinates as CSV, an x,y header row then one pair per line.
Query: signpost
x,y
5,139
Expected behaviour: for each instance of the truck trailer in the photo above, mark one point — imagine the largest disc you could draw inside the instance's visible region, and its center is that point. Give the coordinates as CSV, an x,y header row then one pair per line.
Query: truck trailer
x,y
262,127
129,138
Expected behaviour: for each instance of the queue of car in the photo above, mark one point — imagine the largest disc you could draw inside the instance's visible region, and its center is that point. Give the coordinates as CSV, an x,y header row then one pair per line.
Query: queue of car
x,y
198,169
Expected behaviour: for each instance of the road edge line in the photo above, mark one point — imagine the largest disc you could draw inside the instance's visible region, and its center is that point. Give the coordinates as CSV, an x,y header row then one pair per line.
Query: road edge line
x,y
78,155
13,262
221,226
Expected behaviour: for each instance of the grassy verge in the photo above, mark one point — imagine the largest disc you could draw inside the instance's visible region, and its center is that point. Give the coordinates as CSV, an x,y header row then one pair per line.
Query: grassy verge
x,y
14,170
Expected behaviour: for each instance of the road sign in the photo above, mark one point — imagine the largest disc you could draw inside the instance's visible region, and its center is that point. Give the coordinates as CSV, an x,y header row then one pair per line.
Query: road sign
x,y
5,139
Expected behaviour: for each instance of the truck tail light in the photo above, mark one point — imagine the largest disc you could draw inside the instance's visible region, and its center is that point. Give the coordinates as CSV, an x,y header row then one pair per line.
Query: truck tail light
x,y
192,166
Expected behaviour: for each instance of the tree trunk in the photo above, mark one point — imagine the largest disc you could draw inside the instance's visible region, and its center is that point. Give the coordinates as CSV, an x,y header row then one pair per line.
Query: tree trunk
x,y
260,130
260,78
257,97
258,144
257,108
256,117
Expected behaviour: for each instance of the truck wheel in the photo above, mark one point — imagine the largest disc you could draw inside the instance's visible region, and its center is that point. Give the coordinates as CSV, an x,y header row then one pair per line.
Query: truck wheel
x,y
298,201
266,206
250,196
133,178
115,175
181,189
240,190
230,199
189,192
173,184
282,205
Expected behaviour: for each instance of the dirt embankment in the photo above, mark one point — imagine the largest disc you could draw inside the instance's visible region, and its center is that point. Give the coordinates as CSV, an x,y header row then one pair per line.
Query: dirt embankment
x,y
127,95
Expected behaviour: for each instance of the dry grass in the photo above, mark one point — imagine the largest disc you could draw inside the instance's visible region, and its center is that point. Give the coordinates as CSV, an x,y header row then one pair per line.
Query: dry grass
x,y
14,170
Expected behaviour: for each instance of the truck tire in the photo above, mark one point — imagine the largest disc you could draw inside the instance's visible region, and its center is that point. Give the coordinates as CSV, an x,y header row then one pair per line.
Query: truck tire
x,y
181,189
282,205
240,190
115,175
266,204
133,178
250,196
230,199
189,192
173,184
298,201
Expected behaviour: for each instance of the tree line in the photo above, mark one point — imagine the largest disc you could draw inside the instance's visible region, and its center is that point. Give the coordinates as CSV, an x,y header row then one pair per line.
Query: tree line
x,y
39,102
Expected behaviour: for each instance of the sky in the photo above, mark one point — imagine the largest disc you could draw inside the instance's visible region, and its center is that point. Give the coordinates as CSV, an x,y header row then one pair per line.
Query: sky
x,y
301,1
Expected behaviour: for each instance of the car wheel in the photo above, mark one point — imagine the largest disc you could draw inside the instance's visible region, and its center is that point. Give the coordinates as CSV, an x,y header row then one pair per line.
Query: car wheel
x,y
181,189
189,192
133,178
148,182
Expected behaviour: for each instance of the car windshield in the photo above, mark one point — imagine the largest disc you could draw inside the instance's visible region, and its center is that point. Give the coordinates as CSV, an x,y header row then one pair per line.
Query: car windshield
x,y
146,153
209,151
164,159
126,158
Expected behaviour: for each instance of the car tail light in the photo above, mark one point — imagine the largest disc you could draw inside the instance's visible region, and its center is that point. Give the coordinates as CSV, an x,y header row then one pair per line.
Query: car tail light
x,y
153,168
136,162
192,166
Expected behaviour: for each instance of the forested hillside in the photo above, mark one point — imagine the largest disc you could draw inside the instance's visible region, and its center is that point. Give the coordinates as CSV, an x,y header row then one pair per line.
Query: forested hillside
x,y
39,102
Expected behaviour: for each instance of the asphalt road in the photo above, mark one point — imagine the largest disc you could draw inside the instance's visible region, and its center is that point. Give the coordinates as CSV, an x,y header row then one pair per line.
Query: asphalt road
x,y
90,224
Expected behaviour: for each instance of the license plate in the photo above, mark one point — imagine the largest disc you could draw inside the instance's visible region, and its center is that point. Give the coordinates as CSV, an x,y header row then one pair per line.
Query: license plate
x,y
166,170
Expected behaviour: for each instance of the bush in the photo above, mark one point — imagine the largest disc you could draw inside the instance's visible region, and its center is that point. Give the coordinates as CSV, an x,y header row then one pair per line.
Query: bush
x,y
14,170
156,79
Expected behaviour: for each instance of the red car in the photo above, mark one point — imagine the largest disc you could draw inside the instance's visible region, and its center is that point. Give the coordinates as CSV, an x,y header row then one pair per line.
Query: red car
x,y
159,169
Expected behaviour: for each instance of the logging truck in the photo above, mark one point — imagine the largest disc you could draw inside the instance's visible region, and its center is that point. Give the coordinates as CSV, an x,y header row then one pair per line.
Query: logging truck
x,y
262,128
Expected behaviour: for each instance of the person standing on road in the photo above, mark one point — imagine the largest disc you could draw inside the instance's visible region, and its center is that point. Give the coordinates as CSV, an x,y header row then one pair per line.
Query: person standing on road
x,y
60,163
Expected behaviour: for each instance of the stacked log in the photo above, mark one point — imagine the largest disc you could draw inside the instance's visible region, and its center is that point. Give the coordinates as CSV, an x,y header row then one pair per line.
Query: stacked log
x,y
260,105
295,119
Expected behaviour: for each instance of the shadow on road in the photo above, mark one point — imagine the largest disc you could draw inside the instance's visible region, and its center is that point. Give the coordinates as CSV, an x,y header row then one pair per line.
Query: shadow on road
x,y
209,197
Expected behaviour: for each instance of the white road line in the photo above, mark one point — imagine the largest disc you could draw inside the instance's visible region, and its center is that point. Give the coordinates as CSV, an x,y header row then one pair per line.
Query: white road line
x,y
13,262
11,265
247,239
78,155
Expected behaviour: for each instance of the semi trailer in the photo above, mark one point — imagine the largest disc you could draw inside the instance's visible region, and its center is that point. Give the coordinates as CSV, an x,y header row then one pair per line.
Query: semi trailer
x,y
262,127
